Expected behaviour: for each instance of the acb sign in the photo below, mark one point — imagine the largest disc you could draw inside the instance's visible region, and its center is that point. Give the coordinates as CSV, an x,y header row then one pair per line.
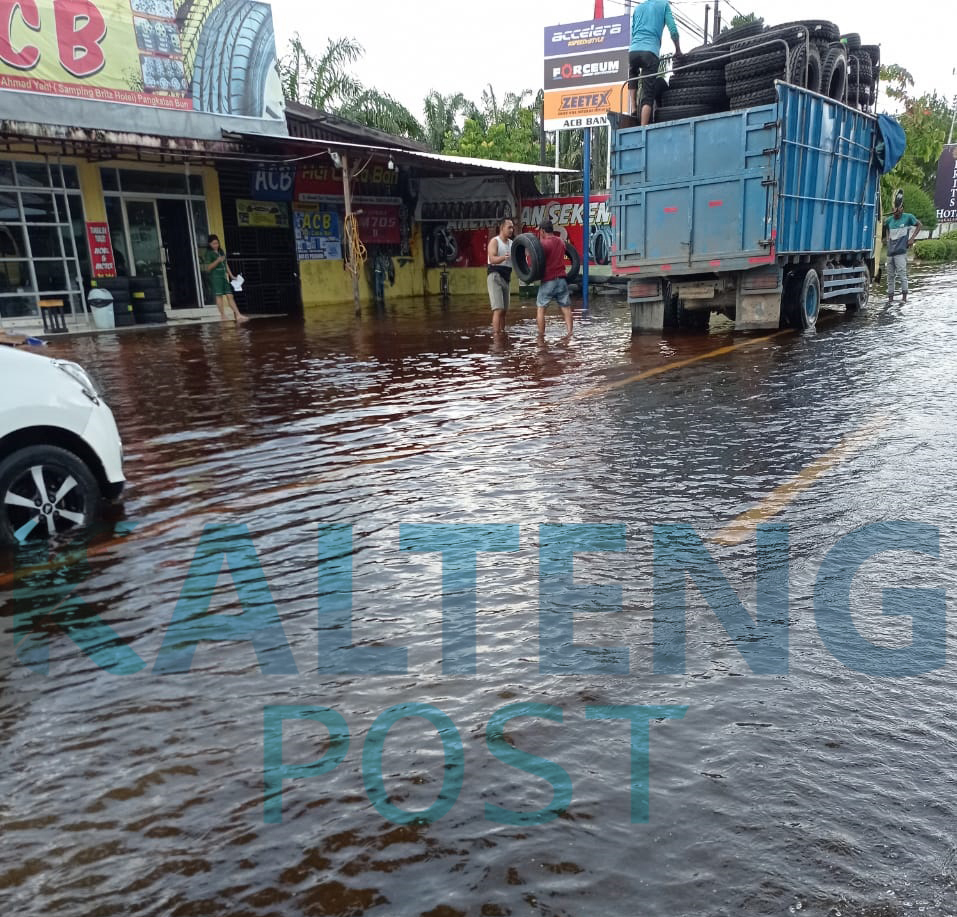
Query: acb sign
x,y
269,182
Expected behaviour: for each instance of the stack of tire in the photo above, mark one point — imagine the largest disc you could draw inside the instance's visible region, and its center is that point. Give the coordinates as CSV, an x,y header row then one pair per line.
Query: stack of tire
x,y
818,64
528,258
149,300
863,68
119,289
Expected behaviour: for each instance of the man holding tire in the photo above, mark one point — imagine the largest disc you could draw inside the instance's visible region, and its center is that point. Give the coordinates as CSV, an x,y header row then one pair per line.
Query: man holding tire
x,y
647,26
553,286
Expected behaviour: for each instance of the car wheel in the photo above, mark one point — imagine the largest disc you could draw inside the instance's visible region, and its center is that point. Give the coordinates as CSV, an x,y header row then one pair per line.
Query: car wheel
x,y
45,491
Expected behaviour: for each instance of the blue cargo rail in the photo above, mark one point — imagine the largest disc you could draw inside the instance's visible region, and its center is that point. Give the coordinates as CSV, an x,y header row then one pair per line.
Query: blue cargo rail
x,y
761,213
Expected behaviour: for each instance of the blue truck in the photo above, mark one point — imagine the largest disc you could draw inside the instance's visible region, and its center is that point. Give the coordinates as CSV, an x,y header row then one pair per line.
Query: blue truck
x,y
763,214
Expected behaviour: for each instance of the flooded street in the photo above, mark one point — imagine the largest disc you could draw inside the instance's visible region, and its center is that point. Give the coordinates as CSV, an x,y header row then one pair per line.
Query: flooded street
x,y
268,464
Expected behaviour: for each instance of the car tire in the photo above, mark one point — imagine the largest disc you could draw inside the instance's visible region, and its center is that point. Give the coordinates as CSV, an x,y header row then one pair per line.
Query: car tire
x,y
695,95
528,257
20,518
769,62
834,74
571,253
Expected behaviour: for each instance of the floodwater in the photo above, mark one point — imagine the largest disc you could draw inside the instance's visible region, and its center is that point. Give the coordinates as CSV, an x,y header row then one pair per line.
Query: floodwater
x,y
131,788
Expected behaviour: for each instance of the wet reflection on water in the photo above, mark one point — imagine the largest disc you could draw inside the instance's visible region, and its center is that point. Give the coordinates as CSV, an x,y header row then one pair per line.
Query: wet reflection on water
x,y
139,790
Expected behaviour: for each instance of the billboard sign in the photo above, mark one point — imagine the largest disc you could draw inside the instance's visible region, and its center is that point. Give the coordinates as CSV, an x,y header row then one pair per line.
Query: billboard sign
x,y
213,56
586,71
567,216
945,195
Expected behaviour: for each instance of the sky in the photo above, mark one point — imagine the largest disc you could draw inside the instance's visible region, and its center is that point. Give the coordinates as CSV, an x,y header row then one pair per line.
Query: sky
x,y
414,47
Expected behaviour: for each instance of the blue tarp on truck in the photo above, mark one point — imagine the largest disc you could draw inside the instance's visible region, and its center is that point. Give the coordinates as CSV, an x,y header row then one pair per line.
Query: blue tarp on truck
x,y
730,212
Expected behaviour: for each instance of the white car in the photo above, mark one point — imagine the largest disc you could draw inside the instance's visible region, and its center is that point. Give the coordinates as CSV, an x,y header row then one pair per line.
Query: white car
x,y
60,451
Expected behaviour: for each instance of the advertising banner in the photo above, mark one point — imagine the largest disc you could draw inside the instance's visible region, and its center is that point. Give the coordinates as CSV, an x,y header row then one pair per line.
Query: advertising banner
x,y
216,56
566,213
271,182
262,214
592,35
585,107
101,250
317,233
572,71
314,182
379,224
945,195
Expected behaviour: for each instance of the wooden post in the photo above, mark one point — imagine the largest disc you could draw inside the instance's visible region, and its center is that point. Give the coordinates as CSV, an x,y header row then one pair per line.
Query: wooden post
x,y
347,198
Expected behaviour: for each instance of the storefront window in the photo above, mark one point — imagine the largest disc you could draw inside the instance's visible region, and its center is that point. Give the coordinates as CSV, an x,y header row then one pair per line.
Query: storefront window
x,y
15,276
51,275
114,216
196,185
45,242
70,178
110,180
17,306
136,182
6,173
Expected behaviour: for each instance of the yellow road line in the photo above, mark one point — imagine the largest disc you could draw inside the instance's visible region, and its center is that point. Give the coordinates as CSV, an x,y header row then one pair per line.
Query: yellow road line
x,y
677,364
742,528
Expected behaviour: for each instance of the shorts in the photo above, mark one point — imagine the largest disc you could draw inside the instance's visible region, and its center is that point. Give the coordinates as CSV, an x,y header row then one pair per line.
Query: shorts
x,y
553,289
498,292
642,63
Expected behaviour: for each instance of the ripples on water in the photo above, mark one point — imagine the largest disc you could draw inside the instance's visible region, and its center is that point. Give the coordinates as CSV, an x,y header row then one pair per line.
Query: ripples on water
x,y
823,792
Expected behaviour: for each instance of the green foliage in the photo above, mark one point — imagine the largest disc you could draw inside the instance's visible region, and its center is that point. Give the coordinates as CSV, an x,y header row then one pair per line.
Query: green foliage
x,y
896,81
942,249
916,200
740,19
321,81
515,141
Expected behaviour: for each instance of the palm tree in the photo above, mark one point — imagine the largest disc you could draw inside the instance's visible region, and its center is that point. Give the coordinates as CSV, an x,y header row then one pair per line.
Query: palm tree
x,y
442,118
322,82
378,109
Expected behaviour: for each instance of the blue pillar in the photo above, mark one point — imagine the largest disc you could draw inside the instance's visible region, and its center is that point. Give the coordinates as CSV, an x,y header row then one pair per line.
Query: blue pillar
x,y
586,198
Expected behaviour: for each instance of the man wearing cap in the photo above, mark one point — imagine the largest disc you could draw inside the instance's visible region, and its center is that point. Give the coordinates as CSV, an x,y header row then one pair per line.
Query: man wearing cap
x,y
553,286
647,26
899,238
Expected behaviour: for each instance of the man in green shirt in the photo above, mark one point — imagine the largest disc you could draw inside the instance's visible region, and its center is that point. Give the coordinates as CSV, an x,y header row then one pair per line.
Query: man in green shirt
x,y
897,231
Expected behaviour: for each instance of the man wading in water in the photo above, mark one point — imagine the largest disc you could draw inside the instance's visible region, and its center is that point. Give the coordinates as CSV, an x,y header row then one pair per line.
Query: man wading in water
x,y
500,273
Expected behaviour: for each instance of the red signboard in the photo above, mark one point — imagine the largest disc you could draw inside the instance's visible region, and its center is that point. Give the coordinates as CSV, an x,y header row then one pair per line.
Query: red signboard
x,y
101,250
566,214
378,224
325,180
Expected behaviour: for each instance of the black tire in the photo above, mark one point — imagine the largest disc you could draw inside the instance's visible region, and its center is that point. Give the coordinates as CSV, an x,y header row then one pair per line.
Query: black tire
x,y
21,519
150,318
765,97
126,320
750,67
690,79
679,112
528,258
571,253
739,32
122,308
819,29
702,53
148,305
874,53
852,40
859,70
695,95
115,285
803,299
751,86
814,70
834,74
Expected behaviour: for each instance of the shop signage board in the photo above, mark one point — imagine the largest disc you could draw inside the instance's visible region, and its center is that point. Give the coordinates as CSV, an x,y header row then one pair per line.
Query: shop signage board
x,y
945,196
217,56
379,224
271,182
586,69
102,262
262,214
316,182
317,233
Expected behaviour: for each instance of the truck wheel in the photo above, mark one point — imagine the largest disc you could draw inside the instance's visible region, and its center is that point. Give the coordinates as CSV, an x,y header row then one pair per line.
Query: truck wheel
x,y
805,304
834,74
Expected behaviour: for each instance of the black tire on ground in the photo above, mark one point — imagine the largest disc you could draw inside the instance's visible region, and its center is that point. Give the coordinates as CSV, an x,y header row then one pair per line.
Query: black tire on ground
x,y
834,74
765,97
740,31
147,285
874,52
768,62
852,40
695,95
122,308
126,320
63,508
528,258
678,112
149,304
571,254
802,291
751,86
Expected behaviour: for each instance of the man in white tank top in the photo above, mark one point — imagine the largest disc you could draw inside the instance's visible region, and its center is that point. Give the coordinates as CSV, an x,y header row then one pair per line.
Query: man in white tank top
x,y
500,272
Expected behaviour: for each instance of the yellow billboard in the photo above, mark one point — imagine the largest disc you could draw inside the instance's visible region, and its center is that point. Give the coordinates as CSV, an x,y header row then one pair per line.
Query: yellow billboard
x,y
215,56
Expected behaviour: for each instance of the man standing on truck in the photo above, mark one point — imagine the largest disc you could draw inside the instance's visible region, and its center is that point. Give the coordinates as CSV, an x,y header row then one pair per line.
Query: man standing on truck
x,y
899,239
647,26
553,286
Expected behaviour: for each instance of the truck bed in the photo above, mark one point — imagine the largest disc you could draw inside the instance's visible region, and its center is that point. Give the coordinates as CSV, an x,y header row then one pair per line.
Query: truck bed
x,y
735,190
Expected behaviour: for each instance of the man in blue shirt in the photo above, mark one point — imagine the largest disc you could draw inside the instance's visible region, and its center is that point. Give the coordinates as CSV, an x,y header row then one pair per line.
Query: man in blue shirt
x,y
647,26
899,239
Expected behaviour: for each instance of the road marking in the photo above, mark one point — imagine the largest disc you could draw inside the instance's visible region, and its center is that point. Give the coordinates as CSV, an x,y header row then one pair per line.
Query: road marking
x,y
743,528
677,364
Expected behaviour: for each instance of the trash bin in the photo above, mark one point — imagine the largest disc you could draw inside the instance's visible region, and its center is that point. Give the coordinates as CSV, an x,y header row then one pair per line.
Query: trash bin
x,y
101,305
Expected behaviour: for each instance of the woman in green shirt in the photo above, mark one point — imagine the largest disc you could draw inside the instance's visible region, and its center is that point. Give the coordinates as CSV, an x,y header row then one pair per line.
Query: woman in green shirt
x,y
214,263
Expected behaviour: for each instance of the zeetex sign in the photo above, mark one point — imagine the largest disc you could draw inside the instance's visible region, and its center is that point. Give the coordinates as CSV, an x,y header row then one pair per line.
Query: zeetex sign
x,y
586,69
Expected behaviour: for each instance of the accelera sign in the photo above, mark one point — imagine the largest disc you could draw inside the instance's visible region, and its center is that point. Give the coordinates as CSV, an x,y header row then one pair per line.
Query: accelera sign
x,y
214,56
592,35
